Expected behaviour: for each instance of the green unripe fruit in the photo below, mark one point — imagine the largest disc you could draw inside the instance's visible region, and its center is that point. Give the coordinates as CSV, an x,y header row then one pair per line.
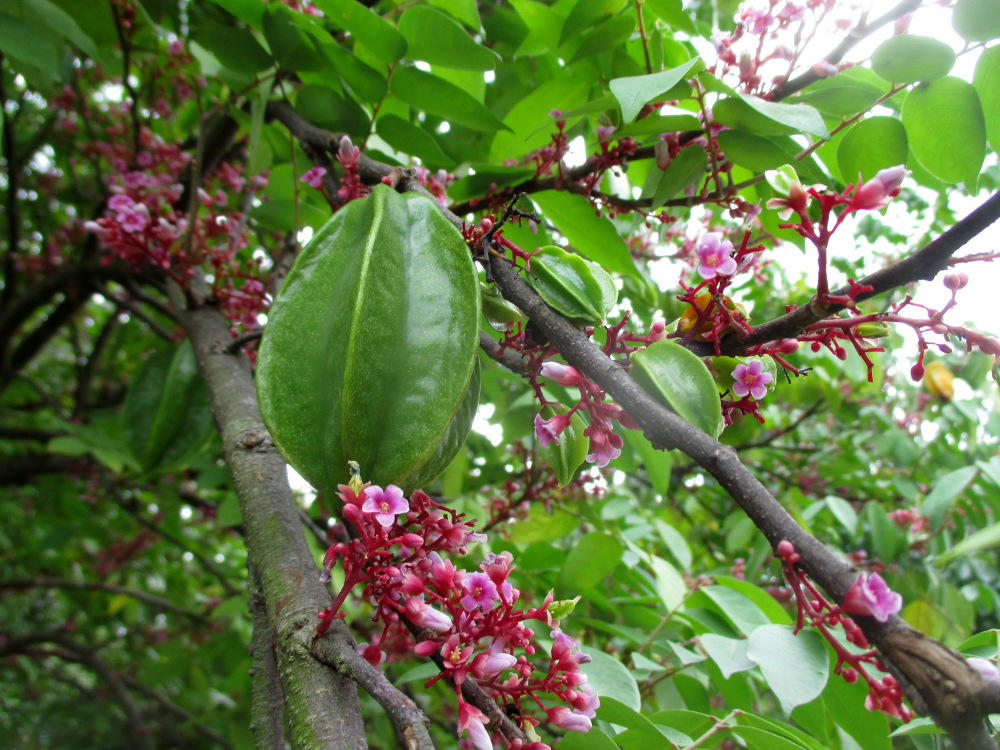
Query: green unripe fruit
x,y
578,289
370,347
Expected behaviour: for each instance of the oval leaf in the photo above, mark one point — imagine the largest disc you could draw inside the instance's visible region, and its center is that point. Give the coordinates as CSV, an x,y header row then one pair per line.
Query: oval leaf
x,y
986,81
774,647
909,58
677,378
634,92
977,20
873,144
435,38
437,96
945,128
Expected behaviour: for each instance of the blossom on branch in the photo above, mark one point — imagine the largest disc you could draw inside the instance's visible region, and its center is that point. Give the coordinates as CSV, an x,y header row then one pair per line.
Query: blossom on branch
x,y
871,595
386,505
716,257
751,379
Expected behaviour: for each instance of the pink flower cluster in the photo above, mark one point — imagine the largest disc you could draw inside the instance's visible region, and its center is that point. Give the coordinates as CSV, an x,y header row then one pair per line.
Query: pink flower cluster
x,y
144,225
471,619
605,444
869,595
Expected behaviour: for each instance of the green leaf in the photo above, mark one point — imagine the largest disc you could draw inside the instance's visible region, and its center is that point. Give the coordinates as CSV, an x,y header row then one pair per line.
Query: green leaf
x,y
873,144
251,12
593,739
667,119
611,679
944,492
677,378
729,654
616,712
775,647
910,58
684,170
465,11
673,13
844,513
593,236
576,288
675,541
413,140
234,47
366,82
292,47
584,15
977,20
435,38
612,33
849,92
530,121
544,527
24,43
756,152
167,414
761,117
945,128
669,584
326,108
590,561
986,81
437,96
369,28
358,341
59,21
566,456
984,539
476,185
635,92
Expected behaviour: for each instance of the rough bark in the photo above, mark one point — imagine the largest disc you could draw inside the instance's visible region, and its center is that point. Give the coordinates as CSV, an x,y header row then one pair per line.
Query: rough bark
x,y
322,708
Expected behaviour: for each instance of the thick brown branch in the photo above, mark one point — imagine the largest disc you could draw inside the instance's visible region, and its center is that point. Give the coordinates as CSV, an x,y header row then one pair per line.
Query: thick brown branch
x,y
322,706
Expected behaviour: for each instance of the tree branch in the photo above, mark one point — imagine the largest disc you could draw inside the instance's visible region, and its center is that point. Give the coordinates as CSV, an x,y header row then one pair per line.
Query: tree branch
x,y
938,682
62,583
322,706
923,264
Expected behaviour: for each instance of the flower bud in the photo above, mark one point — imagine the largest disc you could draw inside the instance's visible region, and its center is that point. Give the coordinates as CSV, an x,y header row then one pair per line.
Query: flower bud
x,y
874,330
956,281
917,372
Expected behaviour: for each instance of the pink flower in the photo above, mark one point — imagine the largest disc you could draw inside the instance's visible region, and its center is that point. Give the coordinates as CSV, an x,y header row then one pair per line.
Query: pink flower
x,y
714,254
750,379
480,592
473,721
424,616
604,448
880,189
348,153
371,653
560,373
797,201
314,177
870,595
490,663
386,505
548,430
565,718
604,133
